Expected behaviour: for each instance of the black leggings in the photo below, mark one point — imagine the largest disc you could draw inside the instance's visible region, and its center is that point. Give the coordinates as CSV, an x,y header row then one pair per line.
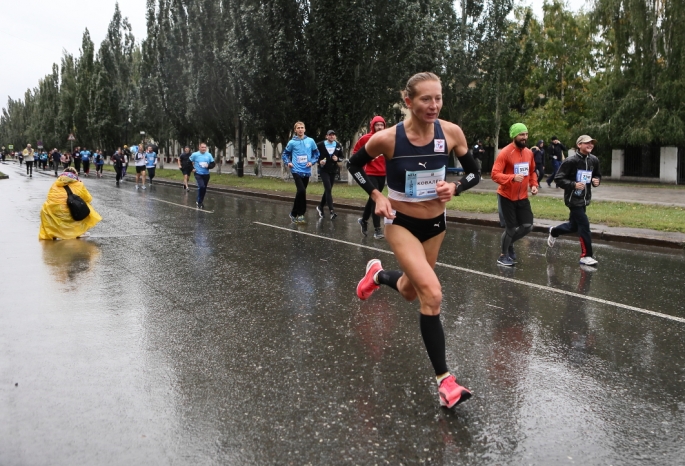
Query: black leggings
x,y
119,171
86,166
29,167
77,165
577,223
370,208
300,204
518,220
327,199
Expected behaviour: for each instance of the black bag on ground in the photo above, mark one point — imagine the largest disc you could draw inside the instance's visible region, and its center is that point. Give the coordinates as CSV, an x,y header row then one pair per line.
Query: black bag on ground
x,y
77,206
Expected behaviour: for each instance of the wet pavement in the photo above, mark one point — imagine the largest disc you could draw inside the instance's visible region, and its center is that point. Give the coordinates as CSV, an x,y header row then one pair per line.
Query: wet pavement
x,y
230,336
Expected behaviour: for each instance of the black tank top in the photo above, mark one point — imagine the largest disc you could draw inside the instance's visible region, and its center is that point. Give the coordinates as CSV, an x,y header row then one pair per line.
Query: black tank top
x,y
413,171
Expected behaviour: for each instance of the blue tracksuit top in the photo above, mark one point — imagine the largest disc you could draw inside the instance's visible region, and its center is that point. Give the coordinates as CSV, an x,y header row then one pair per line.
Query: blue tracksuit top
x,y
299,152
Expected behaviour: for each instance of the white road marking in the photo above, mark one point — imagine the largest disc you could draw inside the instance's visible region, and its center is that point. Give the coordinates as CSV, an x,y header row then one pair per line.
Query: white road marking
x,y
136,193
492,305
490,275
181,205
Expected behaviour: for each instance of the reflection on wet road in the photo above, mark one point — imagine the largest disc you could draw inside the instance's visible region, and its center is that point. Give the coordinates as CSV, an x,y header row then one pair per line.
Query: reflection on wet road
x,y
177,336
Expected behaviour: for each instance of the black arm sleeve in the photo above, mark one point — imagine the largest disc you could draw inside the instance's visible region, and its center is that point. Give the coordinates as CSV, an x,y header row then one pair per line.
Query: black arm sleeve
x,y
471,177
356,168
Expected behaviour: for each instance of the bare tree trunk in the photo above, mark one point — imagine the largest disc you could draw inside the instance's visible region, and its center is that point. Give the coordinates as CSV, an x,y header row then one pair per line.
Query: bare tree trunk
x,y
498,122
284,172
563,90
221,152
655,35
259,156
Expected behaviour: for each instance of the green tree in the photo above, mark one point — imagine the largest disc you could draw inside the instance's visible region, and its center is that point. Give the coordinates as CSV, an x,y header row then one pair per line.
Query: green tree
x,y
503,51
67,99
638,97
85,70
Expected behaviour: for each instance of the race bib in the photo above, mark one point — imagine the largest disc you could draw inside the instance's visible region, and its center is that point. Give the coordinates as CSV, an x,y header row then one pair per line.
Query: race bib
x,y
423,184
301,159
521,169
330,150
204,164
438,145
584,176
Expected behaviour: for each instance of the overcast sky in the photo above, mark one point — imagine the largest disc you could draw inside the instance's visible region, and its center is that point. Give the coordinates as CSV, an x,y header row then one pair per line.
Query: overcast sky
x,y
35,32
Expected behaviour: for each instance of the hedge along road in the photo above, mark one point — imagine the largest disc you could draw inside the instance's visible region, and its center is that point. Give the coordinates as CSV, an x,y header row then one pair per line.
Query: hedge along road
x,y
176,335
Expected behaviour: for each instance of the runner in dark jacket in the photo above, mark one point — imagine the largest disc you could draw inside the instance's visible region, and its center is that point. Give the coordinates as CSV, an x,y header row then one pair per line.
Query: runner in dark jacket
x,y
556,155
539,157
330,153
576,176
118,159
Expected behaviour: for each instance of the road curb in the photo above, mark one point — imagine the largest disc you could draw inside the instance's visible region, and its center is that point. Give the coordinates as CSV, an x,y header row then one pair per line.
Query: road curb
x,y
599,235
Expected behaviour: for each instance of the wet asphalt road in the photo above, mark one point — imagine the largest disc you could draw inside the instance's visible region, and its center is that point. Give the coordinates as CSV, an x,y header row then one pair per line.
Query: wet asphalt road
x,y
175,336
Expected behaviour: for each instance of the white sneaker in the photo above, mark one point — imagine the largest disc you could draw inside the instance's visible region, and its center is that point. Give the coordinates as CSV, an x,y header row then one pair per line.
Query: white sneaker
x,y
587,260
551,239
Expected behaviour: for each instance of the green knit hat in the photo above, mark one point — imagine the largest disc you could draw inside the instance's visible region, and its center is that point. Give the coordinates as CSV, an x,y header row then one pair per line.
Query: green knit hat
x,y
516,129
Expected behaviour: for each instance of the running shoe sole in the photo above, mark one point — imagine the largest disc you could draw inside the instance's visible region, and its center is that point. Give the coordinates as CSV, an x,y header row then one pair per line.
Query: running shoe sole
x,y
551,239
503,261
588,261
369,264
463,396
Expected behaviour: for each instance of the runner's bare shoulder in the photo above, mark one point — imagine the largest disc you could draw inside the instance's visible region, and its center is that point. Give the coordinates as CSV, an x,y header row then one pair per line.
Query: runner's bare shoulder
x,y
455,137
382,142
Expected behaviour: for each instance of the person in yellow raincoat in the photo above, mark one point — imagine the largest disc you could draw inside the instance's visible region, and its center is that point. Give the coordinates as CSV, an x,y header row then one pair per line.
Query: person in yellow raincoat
x,y
55,219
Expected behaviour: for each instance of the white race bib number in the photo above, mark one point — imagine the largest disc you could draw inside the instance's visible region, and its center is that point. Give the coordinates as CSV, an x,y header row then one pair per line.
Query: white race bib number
x,y
301,159
330,150
423,184
204,164
584,176
521,169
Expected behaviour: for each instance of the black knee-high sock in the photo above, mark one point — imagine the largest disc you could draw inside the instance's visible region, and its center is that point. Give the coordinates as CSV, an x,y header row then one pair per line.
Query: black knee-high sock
x,y
389,277
434,339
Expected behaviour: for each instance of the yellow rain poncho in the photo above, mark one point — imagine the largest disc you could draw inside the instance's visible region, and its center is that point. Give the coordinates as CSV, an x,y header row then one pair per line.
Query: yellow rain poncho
x,y
55,218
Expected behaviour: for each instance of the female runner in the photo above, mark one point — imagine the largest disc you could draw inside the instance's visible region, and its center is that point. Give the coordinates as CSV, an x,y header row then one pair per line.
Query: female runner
x,y
416,153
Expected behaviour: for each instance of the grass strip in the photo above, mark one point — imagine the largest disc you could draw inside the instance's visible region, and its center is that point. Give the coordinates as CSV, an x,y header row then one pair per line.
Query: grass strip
x,y
613,214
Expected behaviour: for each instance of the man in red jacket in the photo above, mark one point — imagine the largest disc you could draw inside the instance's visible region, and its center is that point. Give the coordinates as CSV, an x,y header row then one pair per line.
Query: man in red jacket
x,y
514,172
376,171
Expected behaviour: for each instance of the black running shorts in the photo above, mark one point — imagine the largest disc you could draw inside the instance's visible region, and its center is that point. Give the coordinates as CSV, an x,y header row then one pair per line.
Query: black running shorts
x,y
422,229
515,213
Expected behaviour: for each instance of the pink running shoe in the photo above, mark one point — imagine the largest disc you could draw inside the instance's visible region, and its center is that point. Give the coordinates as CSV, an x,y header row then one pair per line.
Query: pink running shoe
x,y
451,393
366,285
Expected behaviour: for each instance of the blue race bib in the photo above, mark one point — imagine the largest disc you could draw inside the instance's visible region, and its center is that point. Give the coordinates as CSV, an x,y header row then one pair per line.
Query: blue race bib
x,y
423,184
